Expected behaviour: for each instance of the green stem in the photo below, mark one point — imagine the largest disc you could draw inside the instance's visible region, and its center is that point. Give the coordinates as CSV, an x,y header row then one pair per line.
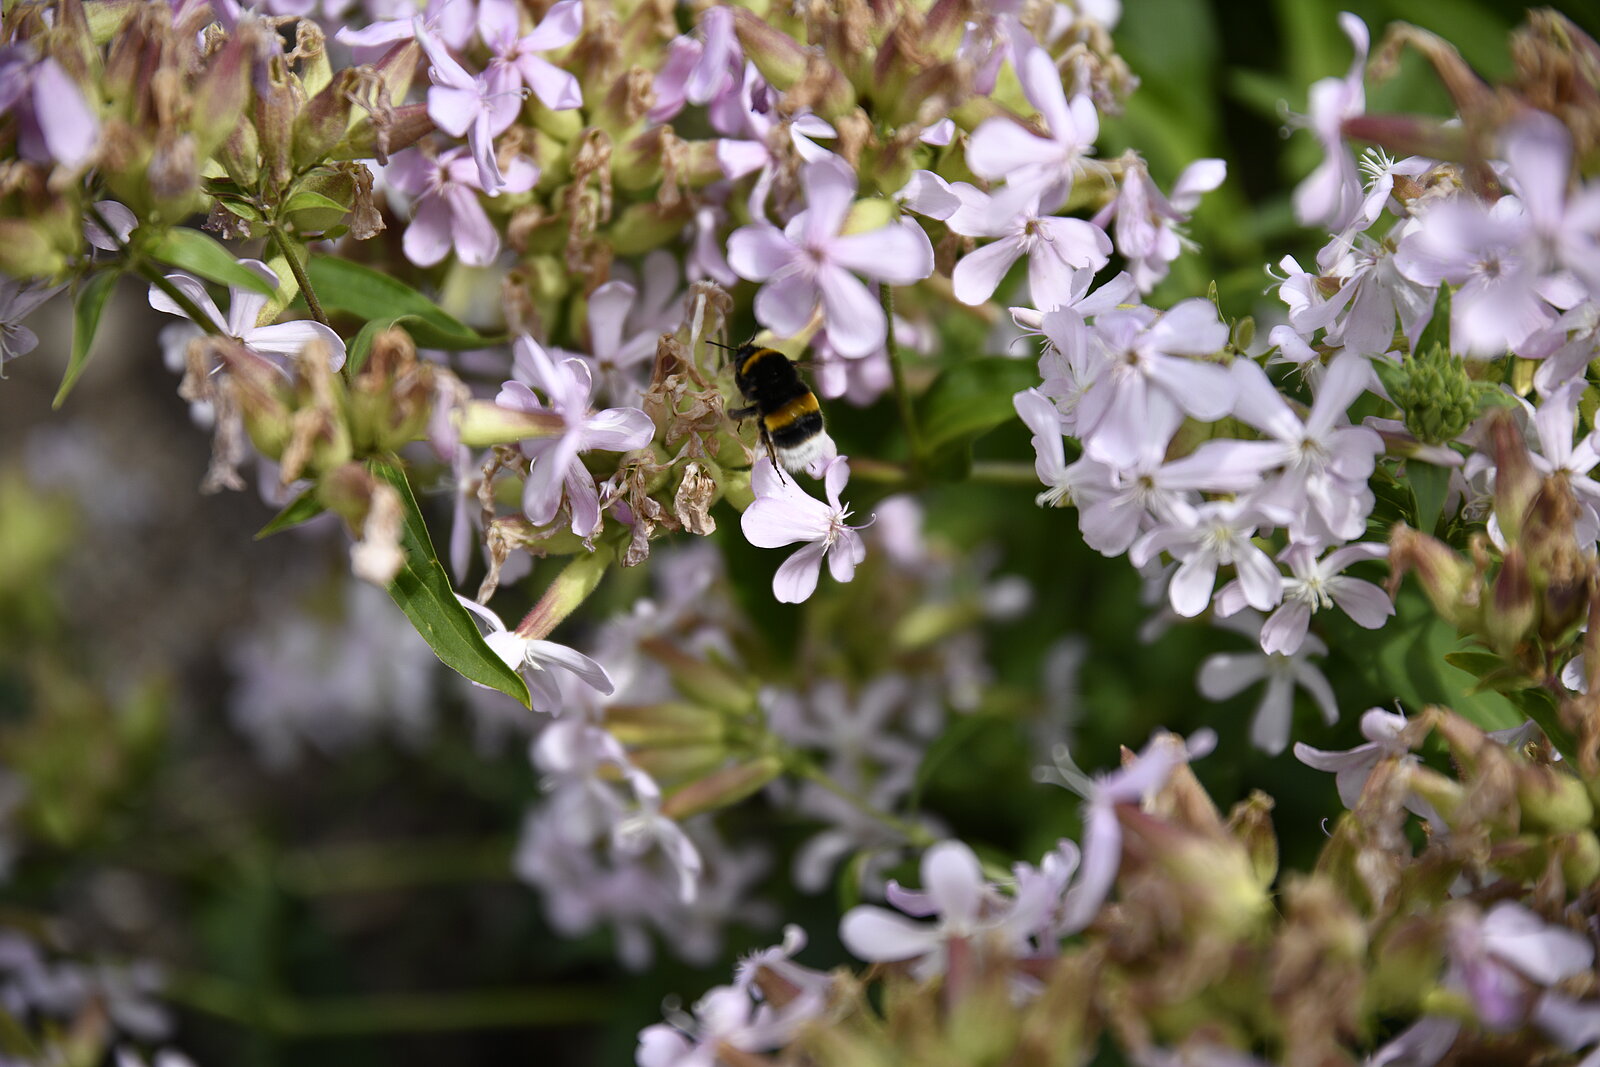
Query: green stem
x,y
1003,472
902,395
299,272
565,1005
571,588
153,275
916,835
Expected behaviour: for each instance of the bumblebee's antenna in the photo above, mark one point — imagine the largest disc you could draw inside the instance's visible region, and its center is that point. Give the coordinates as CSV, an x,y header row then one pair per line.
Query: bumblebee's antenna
x,y
719,344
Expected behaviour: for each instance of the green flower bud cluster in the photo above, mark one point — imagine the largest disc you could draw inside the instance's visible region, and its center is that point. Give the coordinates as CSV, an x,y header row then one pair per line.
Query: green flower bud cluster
x,y
1433,390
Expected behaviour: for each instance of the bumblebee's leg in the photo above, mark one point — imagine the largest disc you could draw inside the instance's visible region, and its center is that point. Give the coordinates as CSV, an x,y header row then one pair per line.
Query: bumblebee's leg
x,y
742,413
772,453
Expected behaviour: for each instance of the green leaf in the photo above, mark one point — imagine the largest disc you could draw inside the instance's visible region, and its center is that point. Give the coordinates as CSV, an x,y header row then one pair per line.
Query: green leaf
x,y
423,332
302,508
196,253
1417,657
1429,486
89,301
367,294
972,398
1437,332
306,199
424,593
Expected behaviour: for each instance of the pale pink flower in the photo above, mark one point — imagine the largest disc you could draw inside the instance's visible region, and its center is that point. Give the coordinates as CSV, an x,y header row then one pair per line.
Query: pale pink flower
x,y
244,309
1102,830
534,658
557,465
499,25
1224,674
477,107
1316,585
448,213
1136,404
783,514
1146,232
1057,248
1331,195
809,262
1002,149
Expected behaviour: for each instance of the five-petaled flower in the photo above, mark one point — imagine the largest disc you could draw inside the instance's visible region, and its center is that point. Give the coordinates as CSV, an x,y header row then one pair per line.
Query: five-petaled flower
x,y
784,514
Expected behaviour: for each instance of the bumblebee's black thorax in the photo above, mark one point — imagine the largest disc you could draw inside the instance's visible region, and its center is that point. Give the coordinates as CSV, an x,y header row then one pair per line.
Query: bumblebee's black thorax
x,y
767,378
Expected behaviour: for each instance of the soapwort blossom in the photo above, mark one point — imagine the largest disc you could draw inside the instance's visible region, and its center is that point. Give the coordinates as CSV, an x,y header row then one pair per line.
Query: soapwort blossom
x,y
810,262
534,658
1057,248
244,309
517,57
1225,674
784,514
448,212
1147,222
1001,148
557,465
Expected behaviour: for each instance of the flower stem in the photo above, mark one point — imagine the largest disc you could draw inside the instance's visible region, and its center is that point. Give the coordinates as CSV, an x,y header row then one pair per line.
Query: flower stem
x,y
153,275
390,1012
299,271
902,395
571,588
1003,472
913,833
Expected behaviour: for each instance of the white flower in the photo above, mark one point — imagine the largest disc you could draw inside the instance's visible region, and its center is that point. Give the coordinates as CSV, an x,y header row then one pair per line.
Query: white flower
x,y
534,658
783,514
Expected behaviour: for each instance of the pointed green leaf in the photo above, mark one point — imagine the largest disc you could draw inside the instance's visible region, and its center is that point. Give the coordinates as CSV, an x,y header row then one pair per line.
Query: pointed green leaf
x,y
88,302
307,199
423,332
302,508
1429,487
424,593
972,398
361,291
196,253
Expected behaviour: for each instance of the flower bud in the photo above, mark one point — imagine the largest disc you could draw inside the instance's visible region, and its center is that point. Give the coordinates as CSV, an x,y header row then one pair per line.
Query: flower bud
x,y
1408,135
641,726
671,764
378,135
1513,610
869,214
482,423
325,119
223,91
1434,391
780,58
723,788
1552,799
1450,582
1515,480
1250,823
711,684
642,227
1405,963
391,396
1580,857
277,105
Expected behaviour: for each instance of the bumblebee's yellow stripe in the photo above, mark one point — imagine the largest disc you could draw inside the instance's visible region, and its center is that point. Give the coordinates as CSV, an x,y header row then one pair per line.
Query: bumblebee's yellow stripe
x,y
797,408
757,356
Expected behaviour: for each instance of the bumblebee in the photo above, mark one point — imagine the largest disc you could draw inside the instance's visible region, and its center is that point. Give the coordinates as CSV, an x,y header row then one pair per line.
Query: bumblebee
x,y
785,408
